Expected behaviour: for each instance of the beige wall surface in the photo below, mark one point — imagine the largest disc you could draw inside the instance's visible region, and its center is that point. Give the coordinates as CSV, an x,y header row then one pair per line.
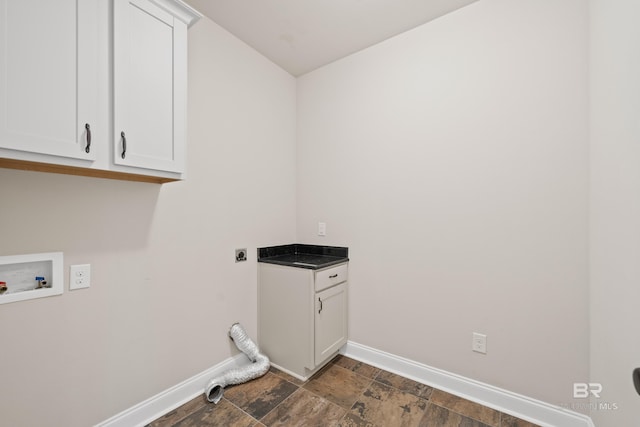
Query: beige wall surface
x,y
615,209
165,287
453,161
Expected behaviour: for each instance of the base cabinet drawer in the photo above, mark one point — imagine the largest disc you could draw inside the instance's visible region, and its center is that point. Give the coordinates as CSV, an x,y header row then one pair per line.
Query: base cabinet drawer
x,y
330,277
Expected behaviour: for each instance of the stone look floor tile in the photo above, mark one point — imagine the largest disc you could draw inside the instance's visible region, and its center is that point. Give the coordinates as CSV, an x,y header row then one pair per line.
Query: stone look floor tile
x,y
286,376
382,405
442,417
404,384
359,368
304,408
352,420
345,393
465,407
258,397
511,421
178,414
338,385
221,414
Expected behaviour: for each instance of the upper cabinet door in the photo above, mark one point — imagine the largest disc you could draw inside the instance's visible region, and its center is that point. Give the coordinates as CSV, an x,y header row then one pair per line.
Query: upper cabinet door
x,y
48,76
150,61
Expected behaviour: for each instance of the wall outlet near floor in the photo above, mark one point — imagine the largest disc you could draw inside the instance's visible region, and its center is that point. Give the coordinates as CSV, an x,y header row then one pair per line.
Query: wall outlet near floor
x,y
79,276
479,343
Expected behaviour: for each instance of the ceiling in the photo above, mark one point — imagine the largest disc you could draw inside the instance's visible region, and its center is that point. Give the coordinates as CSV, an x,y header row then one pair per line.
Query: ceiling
x,y
302,35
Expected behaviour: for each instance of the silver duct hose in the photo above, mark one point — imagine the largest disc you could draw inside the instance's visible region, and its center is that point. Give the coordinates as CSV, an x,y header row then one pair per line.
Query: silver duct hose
x,y
259,366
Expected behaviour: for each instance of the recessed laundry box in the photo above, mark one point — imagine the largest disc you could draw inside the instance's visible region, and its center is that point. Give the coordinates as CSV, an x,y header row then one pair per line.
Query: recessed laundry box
x,y
24,277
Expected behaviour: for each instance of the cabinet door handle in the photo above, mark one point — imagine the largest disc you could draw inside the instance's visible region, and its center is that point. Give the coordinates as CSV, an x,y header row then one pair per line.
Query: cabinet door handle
x,y
333,276
124,144
88,147
320,301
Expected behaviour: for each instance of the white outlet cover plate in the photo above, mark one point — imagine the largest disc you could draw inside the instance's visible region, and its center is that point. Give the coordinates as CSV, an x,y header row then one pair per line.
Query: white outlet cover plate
x,y
322,229
79,276
479,344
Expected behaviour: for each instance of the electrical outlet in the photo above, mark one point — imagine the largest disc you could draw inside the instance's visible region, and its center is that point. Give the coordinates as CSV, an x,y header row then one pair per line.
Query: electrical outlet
x,y
479,344
241,255
79,276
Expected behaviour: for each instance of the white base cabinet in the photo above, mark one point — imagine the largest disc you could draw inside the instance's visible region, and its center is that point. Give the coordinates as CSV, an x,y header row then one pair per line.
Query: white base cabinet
x,y
302,316
95,87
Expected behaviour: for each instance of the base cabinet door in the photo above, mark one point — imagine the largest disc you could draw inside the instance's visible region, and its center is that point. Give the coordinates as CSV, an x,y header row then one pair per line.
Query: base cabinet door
x,y
48,76
330,321
150,59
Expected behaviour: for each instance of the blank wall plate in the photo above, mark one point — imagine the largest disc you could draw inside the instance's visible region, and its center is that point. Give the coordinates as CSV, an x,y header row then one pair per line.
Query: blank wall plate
x,y
322,229
79,276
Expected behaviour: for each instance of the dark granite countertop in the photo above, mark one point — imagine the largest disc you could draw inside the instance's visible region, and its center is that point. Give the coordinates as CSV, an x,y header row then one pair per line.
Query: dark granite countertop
x,y
298,255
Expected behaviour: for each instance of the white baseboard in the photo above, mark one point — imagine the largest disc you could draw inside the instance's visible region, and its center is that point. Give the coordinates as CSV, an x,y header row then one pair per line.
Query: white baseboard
x,y
153,408
535,411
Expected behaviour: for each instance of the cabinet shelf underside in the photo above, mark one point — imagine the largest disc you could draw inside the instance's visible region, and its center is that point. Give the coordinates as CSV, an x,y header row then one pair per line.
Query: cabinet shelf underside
x,y
78,171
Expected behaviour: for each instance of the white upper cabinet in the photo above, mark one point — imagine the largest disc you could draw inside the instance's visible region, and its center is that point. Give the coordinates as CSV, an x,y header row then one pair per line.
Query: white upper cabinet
x,y
95,87
48,76
150,75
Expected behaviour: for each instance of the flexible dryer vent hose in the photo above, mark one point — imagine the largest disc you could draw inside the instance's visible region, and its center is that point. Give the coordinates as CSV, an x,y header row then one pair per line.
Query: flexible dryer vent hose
x,y
259,366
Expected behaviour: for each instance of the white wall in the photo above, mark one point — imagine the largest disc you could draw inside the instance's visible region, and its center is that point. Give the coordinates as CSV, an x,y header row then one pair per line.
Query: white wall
x,y
165,287
453,161
615,208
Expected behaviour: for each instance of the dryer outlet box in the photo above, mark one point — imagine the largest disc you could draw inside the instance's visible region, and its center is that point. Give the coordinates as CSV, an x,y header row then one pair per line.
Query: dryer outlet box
x,y
241,255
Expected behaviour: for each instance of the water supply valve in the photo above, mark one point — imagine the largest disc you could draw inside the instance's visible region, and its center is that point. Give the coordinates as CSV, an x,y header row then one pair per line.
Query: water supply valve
x,y
42,283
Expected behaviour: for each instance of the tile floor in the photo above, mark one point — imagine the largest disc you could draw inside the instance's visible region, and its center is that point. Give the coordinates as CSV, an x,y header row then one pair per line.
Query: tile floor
x,y
345,393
